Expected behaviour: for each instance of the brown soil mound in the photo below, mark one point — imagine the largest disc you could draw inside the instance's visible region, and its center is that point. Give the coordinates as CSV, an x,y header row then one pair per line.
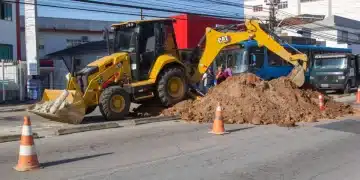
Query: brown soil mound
x,y
247,99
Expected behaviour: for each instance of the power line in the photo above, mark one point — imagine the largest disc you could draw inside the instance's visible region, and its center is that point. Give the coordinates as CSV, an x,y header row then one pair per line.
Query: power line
x,y
324,36
316,23
155,9
84,9
181,4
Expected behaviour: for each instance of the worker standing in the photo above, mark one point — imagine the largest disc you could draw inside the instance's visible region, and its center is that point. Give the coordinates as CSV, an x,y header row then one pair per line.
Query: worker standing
x,y
228,72
221,75
208,79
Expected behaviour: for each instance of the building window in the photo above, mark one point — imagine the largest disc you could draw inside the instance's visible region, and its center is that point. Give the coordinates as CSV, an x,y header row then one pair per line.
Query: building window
x,y
304,1
6,51
257,8
283,5
343,36
6,11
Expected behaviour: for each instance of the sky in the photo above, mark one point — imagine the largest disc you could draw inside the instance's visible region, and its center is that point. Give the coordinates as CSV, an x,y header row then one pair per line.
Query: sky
x,y
225,8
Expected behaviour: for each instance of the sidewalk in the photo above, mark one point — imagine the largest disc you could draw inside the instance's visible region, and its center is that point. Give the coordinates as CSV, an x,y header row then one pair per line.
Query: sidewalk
x,y
14,107
11,125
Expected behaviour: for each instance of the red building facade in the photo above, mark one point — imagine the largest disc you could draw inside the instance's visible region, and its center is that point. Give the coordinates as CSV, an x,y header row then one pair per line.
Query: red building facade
x,y
190,28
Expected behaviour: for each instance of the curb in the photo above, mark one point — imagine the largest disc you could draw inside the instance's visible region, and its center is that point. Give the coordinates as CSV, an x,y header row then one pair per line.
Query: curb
x,y
109,125
154,119
16,137
93,127
13,110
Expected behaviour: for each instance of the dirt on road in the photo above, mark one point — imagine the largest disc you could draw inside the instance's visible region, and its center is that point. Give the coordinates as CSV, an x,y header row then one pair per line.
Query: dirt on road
x,y
247,99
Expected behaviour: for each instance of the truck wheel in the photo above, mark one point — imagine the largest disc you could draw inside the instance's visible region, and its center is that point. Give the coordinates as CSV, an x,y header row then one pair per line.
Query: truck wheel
x,y
347,88
172,86
90,109
114,103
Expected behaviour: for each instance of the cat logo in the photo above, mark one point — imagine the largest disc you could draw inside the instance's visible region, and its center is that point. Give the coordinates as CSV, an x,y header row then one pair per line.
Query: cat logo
x,y
224,39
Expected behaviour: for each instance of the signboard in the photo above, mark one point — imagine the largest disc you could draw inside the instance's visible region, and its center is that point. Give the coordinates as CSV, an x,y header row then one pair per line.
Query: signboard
x,y
31,40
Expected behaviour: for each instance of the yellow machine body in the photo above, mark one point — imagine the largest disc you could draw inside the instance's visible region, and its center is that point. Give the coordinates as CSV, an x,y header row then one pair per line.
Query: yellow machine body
x,y
167,77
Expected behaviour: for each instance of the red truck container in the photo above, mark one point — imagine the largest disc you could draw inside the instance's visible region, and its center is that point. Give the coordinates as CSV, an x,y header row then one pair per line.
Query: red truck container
x,y
190,28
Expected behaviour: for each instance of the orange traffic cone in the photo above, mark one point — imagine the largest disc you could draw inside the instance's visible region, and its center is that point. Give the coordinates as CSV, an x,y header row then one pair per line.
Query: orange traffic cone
x,y
321,102
218,125
27,154
358,96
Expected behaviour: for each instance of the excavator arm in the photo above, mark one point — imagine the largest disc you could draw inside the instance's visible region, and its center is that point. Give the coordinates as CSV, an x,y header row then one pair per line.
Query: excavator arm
x,y
217,39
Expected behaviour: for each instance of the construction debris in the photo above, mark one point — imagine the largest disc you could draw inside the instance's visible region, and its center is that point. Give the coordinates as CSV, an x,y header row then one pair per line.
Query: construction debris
x,y
247,99
52,107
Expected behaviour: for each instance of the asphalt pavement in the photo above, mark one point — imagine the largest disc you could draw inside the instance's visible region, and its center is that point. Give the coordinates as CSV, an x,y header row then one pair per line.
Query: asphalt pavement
x,y
177,151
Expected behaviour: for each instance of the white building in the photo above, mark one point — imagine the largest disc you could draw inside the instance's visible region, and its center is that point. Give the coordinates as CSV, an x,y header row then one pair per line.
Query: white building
x,y
335,22
56,34
9,38
345,8
333,31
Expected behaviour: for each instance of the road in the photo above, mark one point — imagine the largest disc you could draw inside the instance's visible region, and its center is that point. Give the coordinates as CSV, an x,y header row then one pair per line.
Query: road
x,y
178,151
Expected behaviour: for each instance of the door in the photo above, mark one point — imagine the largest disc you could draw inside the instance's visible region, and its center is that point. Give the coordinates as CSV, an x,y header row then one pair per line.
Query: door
x,y
146,51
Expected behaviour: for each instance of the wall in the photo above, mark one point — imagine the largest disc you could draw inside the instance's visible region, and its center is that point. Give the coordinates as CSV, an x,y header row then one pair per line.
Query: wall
x,y
190,28
8,32
56,41
344,8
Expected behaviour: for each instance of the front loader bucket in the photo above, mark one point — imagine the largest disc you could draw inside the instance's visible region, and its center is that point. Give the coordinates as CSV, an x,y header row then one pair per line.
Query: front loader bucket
x,y
297,75
72,112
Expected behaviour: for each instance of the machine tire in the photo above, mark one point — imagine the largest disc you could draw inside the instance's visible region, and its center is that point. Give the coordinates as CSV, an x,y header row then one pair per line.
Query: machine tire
x,y
347,88
162,87
90,109
106,100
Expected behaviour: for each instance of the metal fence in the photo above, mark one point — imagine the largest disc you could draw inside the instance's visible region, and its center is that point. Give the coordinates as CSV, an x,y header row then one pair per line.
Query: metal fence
x,y
12,81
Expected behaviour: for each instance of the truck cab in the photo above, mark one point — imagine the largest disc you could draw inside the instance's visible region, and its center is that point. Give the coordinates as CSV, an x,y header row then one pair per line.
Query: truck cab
x,y
339,72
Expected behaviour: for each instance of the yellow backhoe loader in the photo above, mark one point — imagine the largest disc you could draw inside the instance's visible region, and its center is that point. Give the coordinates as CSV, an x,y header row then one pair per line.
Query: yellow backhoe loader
x,y
145,65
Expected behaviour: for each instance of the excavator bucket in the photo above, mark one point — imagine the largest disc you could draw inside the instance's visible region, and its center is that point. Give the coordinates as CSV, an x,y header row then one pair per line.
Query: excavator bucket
x,y
70,110
297,75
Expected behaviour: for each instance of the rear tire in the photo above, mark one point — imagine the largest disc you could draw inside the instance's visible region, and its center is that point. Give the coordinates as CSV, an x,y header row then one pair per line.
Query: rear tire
x,y
172,86
114,103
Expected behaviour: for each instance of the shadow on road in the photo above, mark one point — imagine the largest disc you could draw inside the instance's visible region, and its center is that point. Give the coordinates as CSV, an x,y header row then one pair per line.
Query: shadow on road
x,y
239,129
348,125
64,161
142,111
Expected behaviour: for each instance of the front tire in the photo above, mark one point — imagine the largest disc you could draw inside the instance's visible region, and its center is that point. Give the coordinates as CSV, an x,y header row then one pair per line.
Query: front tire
x,y
114,103
172,86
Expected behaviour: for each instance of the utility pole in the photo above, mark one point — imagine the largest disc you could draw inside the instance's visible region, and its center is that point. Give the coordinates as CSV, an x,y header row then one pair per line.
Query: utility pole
x,y
141,14
272,14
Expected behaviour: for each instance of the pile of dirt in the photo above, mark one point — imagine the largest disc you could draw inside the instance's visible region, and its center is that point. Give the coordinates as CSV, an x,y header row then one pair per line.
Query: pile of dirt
x,y
248,99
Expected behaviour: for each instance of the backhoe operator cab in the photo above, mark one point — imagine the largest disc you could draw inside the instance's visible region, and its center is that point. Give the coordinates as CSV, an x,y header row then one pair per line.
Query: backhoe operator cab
x,y
145,42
